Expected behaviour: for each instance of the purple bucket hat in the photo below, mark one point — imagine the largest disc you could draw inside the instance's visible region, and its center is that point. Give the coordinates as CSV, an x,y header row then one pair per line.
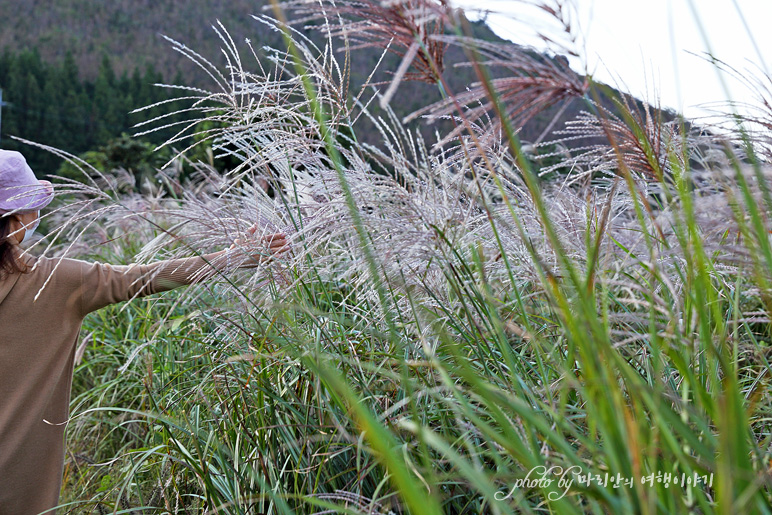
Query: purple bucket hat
x,y
20,191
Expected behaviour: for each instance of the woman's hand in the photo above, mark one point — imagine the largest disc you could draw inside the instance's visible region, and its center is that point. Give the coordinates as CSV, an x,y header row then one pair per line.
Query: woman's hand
x,y
267,246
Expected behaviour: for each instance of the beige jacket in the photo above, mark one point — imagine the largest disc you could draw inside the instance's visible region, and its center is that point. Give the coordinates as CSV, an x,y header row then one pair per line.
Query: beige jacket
x,y
37,347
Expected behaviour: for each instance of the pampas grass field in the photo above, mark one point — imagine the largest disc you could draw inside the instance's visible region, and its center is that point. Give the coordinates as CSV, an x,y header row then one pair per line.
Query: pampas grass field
x,y
456,329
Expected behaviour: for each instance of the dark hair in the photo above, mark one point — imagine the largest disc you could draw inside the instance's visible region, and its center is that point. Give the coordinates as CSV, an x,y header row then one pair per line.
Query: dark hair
x,y
9,264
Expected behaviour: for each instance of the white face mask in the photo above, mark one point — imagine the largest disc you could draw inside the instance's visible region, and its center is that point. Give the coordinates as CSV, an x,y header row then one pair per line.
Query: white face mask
x,y
30,229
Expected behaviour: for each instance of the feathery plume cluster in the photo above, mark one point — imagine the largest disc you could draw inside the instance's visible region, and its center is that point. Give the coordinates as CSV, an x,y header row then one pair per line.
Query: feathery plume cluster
x,y
530,84
429,212
643,143
264,119
407,28
746,124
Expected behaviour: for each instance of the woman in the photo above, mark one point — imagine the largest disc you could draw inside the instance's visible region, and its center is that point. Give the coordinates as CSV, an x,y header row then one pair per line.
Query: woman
x,y
42,304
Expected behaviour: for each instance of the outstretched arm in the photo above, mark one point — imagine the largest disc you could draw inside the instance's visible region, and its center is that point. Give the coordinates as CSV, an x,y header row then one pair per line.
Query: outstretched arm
x,y
105,284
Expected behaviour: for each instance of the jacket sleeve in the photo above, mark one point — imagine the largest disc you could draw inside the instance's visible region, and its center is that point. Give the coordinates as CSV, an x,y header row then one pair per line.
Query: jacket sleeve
x,y
104,284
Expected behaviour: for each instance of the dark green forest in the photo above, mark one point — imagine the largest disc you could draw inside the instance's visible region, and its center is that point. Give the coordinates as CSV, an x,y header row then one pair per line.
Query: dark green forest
x,y
53,104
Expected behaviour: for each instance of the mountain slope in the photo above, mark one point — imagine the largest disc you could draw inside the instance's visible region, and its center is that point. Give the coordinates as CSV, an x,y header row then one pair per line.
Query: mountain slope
x,y
128,31
124,37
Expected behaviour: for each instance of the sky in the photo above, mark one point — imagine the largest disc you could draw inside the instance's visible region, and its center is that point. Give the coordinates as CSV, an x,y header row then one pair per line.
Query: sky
x,y
648,47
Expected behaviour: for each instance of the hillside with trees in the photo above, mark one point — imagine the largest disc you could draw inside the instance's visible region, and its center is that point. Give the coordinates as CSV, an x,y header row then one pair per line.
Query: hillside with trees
x,y
56,105
72,70
129,31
